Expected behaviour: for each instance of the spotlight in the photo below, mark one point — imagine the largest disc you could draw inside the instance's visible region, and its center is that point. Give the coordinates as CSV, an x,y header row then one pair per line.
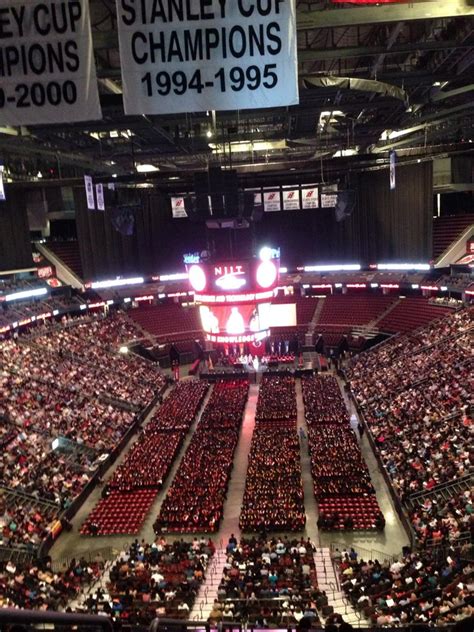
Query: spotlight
x,y
197,278
265,253
266,274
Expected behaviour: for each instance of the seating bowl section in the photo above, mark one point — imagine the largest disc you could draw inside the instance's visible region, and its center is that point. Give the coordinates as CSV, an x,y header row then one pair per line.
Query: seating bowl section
x,y
342,485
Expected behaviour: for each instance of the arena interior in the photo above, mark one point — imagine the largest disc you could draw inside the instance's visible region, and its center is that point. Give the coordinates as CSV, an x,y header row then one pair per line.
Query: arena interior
x,y
236,315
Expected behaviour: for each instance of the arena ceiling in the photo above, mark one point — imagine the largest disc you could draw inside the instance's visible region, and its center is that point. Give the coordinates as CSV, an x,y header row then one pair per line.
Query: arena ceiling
x,y
372,79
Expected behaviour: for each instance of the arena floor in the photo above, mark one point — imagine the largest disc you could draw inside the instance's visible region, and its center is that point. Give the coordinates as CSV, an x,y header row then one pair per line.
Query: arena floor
x,y
72,544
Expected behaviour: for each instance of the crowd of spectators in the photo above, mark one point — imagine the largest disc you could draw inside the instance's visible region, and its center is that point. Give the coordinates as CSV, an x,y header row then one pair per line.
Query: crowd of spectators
x,y
35,586
195,500
15,314
52,397
342,485
24,522
95,341
36,404
273,498
439,522
417,589
415,392
153,580
268,583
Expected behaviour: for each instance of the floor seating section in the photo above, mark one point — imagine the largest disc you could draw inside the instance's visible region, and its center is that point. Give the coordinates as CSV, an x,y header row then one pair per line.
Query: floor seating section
x,y
273,498
170,322
195,500
409,314
271,583
152,580
414,393
147,465
68,252
447,229
120,512
342,485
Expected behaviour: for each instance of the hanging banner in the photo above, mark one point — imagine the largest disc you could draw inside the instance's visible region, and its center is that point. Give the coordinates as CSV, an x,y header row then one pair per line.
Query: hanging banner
x,y
271,201
393,169
291,200
328,200
89,193
99,194
2,187
369,1
309,198
257,198
184,56
177,207
47,69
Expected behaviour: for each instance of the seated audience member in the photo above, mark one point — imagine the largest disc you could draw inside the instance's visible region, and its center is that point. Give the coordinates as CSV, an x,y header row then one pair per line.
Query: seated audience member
x,y
195,500
273,498
414,393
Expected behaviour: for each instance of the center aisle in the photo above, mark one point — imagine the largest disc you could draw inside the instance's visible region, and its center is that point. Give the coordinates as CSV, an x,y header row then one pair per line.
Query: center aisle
x,y
235,493
310,506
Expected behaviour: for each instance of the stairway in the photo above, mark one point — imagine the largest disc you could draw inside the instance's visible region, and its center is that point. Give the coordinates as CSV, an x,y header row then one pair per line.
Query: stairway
x,y
373,323
208,591
316,315
148,336
328,582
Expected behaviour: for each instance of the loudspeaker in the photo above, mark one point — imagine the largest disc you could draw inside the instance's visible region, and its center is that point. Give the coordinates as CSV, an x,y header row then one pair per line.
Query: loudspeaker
x,y
190,207
246,203
257,213
217,193
201,191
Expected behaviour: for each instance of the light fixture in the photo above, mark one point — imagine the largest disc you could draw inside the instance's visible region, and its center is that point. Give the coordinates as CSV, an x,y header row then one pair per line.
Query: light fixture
x,y
117,283
146,168
197,278
15,296
123,349
177,276
209,133
267,274
343,267
265,253
403,266
39,174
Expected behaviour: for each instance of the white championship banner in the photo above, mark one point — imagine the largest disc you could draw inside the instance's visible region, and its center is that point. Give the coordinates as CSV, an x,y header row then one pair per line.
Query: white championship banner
x,y
183,56
177,207
309,197
271,201
291,199
47,69
328,200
